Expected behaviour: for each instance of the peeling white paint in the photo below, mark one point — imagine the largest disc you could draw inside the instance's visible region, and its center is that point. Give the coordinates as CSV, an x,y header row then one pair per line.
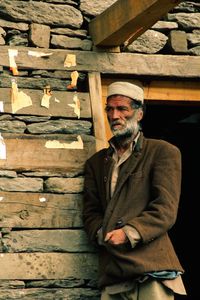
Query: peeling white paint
x,y
76,106
58,145
39,54
2,148
12,53
19,99
70,60
1,106
42,199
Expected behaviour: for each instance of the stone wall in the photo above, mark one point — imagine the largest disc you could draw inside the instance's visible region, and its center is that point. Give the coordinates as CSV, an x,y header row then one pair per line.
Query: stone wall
x,y
64,25
47,133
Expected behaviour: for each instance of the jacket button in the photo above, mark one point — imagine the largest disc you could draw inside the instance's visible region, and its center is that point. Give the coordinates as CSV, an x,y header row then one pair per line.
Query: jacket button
x,y
105,179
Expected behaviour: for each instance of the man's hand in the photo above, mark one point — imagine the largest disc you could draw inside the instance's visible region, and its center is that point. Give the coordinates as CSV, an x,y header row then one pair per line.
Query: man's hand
x,y
116,237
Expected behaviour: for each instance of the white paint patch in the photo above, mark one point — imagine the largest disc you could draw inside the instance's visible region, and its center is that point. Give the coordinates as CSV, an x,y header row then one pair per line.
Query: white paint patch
x,y
76,105
18,98
2,148
42,199
70,60
12,53
58,145
1,106
39,54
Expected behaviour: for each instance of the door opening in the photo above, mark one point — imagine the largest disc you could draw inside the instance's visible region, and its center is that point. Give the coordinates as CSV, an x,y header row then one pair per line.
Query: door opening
x,y
180,125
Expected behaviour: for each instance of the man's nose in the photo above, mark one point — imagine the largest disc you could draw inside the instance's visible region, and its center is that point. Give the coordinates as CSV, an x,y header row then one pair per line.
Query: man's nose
x,y
115,114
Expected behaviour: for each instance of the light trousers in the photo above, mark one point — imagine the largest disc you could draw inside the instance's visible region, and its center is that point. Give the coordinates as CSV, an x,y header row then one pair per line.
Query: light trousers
x,y
148,290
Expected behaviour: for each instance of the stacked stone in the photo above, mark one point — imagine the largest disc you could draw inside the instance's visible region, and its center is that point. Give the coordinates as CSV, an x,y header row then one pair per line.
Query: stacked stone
x,y
64,24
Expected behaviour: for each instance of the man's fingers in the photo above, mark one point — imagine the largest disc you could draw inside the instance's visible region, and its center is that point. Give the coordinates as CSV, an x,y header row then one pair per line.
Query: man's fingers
x,y
108,236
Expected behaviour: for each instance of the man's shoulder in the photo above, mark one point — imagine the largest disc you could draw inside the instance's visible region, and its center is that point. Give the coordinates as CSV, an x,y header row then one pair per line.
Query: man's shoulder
x,y
161,143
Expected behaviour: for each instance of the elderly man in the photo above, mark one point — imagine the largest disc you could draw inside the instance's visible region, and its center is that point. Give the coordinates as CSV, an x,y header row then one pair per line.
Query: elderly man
x,y
131,198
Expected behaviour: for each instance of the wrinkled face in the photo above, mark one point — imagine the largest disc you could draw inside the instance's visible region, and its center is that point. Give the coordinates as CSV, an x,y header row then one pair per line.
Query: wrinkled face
x,y
122,117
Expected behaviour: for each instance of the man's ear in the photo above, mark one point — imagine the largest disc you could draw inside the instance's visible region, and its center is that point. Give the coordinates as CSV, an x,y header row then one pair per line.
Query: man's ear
x,y
140,115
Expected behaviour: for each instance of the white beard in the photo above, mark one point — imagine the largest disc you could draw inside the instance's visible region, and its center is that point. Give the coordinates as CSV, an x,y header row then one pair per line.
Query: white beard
x,y
131,128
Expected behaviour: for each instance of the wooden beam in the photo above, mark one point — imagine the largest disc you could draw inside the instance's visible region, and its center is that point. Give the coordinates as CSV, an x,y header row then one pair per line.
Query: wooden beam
x,y
36,155
61,108
27,266
180,66
58,211
47,241
127,19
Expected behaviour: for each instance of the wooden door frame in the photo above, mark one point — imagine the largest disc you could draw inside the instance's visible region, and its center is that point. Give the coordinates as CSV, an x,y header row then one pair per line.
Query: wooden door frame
x,y
169,91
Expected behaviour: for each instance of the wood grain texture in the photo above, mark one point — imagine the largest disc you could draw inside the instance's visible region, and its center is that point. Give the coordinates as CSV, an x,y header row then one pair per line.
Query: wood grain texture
x,y
113,28
109,63
40,210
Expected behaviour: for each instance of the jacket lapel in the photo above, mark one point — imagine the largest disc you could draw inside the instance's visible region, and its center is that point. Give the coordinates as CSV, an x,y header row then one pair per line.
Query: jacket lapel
x,y
127,169
129,165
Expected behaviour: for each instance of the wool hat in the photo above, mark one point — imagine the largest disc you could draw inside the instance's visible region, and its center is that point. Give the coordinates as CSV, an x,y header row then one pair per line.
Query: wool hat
x,y
131,90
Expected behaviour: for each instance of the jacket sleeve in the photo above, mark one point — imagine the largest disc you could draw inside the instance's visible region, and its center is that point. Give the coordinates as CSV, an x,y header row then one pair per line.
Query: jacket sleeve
x,y
165,186
92,208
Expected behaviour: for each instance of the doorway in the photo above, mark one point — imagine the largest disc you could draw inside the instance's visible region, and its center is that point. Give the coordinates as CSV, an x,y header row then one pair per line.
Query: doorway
x,y
180,125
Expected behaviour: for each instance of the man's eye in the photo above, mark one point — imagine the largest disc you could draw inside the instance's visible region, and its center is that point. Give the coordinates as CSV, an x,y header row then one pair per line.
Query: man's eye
x,y
107,109
122,108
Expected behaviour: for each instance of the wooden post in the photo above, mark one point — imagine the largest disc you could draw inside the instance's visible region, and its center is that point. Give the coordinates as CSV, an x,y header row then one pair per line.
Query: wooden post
x,y
97,109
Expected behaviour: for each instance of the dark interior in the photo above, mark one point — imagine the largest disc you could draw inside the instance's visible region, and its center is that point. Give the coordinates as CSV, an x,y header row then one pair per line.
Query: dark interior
x,y
180,125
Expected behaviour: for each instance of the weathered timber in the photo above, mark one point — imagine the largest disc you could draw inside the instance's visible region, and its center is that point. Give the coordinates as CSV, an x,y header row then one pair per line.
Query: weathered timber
x,y
50,294
109,63
32,153
97,109
26,266
46,241
40,210
59,103
167,90
113,28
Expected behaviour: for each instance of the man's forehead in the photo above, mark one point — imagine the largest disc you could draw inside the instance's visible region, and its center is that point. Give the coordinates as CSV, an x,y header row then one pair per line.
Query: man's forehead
x,y
119,100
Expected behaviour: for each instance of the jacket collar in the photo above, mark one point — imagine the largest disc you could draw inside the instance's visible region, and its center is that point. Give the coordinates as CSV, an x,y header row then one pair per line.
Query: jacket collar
x,y
137,146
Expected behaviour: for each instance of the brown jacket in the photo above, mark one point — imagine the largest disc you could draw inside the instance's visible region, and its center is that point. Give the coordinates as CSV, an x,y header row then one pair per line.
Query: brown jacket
x,y
146,197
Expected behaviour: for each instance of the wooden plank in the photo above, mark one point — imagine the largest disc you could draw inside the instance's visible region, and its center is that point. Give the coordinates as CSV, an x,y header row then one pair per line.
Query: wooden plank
x,y
127,19
97,110
27,266
36,155
49,293
179,66
59,103
167,90
40,210
65,240
180,91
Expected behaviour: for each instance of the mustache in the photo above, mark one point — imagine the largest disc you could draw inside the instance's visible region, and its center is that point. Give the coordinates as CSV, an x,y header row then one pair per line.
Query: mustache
x,y
116,123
